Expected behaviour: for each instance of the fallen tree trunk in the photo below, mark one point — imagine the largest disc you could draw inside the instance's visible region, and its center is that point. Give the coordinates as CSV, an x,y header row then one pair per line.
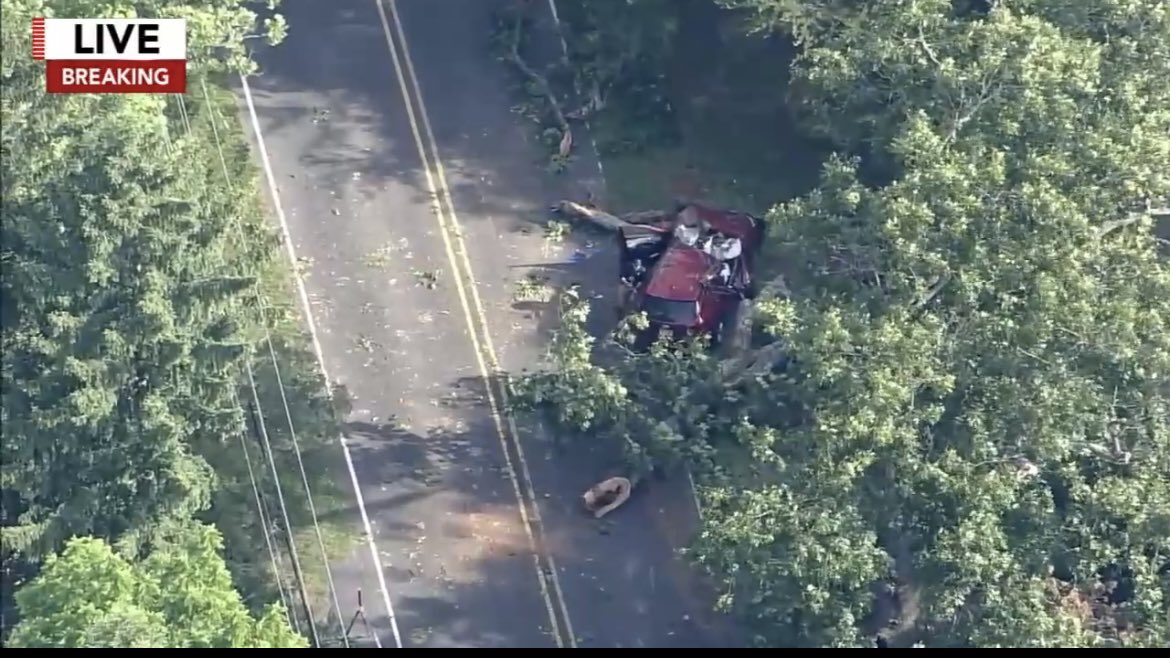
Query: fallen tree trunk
x,y
742,362
581,212
607,221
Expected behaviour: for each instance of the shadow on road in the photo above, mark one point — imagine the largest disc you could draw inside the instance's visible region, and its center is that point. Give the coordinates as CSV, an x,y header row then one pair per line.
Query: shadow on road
x,y
432,468
478,552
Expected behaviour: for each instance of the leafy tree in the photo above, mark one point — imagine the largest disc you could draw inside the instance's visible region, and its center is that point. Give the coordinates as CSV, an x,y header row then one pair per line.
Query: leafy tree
x,y
123,311
123,304
179,596
954,428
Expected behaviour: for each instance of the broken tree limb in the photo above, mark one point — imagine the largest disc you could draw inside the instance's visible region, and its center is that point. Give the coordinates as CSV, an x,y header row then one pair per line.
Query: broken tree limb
x,y
594,104
609,221
752,364
582,212
777,287
566,144
737,338
646,216
540,81
935,289
739,363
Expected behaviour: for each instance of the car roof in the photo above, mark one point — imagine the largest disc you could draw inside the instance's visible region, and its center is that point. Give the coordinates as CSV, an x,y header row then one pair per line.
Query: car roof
x,y
735,224
679,273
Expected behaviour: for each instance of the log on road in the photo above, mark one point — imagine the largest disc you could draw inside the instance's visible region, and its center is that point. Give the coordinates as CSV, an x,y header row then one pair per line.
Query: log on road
x,y
608,221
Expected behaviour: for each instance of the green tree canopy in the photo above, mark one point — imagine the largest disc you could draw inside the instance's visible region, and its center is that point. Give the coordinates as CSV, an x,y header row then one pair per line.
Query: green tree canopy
x,y
127,311
178,596
123,308
955,427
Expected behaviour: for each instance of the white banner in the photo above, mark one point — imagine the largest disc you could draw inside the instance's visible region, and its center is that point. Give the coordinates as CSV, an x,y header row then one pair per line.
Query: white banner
x,y
114,39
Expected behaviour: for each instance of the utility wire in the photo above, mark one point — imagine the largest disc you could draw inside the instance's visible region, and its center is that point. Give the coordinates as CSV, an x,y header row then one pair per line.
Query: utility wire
x,y
270,179
262,304
263,431
304,479
284,598
183,114
292,546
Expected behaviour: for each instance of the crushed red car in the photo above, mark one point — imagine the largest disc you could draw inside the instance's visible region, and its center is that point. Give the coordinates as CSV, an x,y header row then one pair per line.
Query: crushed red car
x,y
690,270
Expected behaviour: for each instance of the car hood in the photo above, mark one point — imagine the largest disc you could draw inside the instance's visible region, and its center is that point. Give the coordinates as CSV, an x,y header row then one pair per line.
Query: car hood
x,y
680,274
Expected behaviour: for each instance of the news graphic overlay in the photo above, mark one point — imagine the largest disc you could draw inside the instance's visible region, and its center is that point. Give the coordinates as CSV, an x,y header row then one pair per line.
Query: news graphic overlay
x,y
112,55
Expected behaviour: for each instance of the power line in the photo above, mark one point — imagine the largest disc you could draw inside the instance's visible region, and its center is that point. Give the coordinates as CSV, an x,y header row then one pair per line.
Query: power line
x,y
284,598
298,281
261,303
267,530
263,431
292,546
304,477
183,114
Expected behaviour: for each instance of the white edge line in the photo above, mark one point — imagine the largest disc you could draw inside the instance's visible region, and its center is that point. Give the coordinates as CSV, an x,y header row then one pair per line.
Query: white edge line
x,y
312,327
552,7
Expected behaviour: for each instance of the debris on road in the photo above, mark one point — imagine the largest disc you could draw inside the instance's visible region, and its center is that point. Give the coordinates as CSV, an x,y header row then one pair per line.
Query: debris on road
x,y
604,497
426,279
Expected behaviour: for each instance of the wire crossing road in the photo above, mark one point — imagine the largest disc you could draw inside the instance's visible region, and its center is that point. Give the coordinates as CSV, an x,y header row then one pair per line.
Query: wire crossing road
x,y
407,188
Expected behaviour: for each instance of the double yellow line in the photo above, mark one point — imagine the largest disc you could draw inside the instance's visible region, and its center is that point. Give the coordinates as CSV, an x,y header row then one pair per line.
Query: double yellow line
x,y
477,327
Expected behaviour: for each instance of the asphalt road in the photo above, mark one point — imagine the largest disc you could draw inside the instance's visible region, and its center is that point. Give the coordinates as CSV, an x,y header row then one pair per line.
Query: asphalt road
x,y
405,321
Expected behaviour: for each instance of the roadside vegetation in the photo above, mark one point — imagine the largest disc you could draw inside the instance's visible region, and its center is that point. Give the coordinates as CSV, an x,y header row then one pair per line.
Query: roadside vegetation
x,y
951,427
140,280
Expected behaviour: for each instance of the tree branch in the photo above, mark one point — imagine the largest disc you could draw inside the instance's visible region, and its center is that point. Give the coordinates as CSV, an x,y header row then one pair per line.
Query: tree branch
x,y
580,211
605,220
921,40
594,104
777,287
541,83
1118,224
758,362
936,288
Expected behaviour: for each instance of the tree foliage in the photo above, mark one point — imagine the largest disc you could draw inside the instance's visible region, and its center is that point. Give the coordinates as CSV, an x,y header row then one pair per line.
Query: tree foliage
x,y
966,438
125,303
122,301
178,596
